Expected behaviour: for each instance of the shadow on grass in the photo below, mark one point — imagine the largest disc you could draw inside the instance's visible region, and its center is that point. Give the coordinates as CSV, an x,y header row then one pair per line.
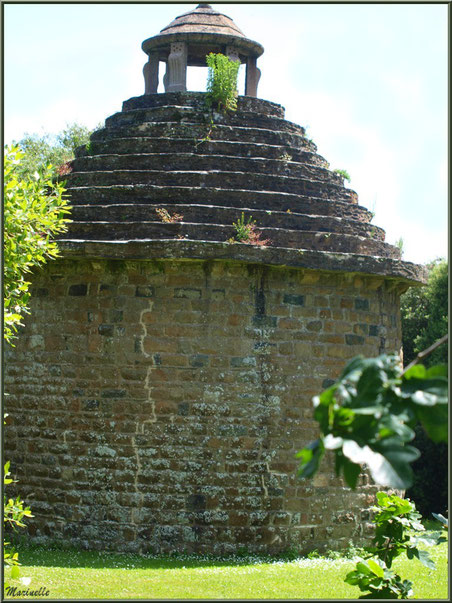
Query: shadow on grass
x,y
31,554
60,555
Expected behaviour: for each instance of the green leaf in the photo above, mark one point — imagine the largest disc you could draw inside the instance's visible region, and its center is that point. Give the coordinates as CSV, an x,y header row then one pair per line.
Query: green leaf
x,y
363,568
424,558
356,365
15,572
439,370
369,384
441,518
310,457
418,371
391,424
426,391
435,421
389,468
351,473
376,569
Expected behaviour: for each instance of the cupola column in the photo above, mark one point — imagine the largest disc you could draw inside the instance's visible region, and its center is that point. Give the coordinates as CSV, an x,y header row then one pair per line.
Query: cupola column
x,y
232,53
176,69
151,74
253,74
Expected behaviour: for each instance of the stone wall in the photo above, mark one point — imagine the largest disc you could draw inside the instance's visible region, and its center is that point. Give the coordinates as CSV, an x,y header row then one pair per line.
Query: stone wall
x,y
157,405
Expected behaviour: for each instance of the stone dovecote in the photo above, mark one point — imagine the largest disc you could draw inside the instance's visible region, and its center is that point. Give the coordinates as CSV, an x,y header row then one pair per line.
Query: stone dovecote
x,y
163,381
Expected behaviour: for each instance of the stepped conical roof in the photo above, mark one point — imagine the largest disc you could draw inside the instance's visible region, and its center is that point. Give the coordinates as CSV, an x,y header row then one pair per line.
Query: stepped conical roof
x,y
167,178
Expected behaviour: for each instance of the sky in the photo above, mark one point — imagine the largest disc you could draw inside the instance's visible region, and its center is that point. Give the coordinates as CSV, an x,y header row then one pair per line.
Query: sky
x,y
369,81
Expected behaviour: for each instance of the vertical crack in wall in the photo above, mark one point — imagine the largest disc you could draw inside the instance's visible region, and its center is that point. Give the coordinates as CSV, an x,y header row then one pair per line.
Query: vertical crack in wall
x,y
140,425
263,367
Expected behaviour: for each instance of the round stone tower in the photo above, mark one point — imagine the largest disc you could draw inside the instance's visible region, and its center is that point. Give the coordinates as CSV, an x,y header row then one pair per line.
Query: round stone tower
x,y
163,382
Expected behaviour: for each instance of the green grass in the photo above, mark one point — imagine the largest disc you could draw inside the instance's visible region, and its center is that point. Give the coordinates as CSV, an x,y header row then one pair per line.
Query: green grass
x,y
84,575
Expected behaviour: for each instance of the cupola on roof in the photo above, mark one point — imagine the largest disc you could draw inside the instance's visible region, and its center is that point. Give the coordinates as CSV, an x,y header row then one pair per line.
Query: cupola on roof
x,y
187,41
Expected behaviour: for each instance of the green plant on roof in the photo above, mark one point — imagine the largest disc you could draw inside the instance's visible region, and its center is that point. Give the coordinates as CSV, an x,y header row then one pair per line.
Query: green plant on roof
x,y
222,82
245,232
166,217
345,175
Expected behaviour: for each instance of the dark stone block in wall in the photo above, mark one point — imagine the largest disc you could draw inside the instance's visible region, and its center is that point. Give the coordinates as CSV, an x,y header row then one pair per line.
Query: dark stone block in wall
x,y
49,459
81,289
144,292
373,330
354,339
196,502
264,321
107,330
314,325
40,292
104,287
114,393
90,404
198,360
361,304
183,409
275,491
295,300
187,293
241,362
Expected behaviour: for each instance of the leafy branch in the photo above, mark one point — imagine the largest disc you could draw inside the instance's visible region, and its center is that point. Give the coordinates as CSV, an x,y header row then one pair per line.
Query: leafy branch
x,y
398,531
368,417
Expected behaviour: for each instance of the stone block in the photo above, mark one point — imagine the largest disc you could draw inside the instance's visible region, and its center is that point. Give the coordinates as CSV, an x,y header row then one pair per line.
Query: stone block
x,y
78,290
294,299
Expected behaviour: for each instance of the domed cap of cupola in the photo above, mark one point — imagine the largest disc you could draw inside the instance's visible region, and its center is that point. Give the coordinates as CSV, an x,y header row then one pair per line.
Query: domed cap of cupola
x,y
204,24
186,42
203,18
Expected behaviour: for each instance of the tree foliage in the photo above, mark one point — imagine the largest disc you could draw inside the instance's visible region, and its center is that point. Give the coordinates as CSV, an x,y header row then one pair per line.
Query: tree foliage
x,y
367,419
424,313
398,531
34,211
42,151
14,513
368,416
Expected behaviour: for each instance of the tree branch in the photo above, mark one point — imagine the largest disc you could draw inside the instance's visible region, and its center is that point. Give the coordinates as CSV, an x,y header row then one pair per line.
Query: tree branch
x,y
427,352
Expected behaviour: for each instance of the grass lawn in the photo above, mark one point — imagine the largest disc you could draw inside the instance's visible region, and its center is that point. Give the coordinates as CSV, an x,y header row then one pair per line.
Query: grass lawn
x,y
84,575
